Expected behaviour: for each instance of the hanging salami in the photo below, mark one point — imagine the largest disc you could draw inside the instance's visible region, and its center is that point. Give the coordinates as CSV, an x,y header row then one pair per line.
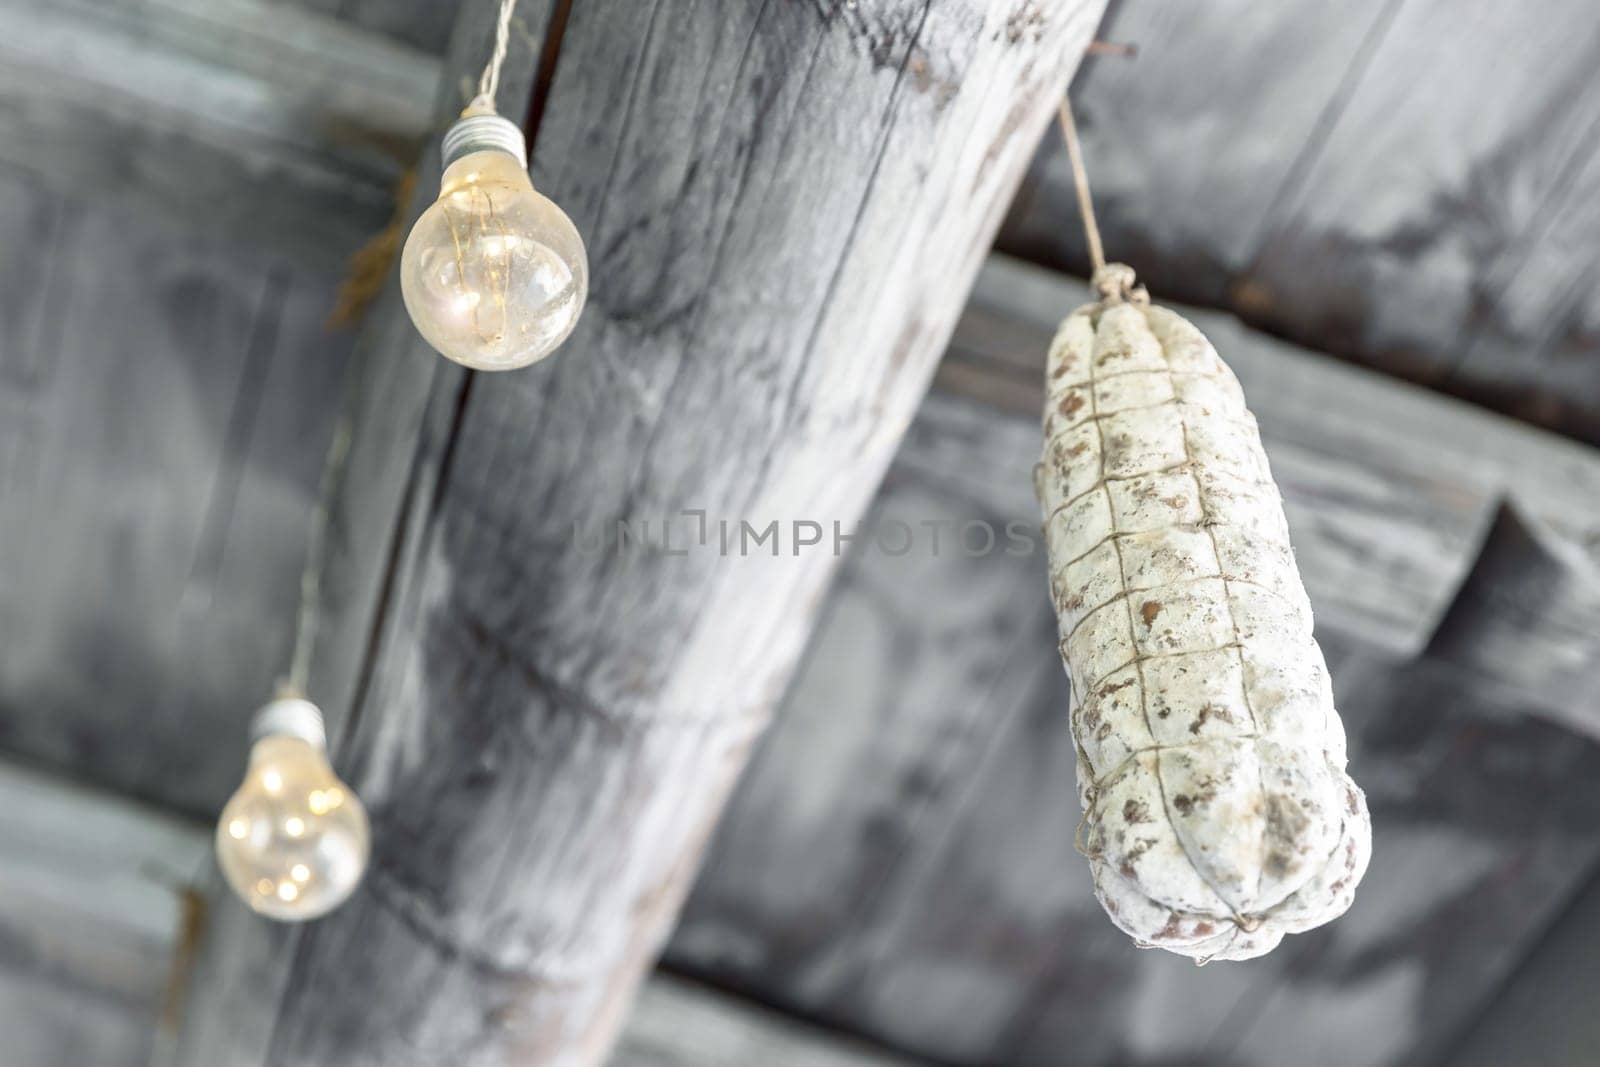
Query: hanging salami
x,y
1211,762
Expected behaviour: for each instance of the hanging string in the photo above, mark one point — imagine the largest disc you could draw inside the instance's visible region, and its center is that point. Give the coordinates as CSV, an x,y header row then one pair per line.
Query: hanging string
x,y
1114,282
489,82
1080,178
305,635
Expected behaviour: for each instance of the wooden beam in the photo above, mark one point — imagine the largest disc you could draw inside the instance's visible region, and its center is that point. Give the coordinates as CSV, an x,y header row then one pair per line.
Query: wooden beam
x,y
95,911
244,119
1382,201
1527,619
677,1023
1185,151
165,401
1435,233
784,207
1544,1012
423,24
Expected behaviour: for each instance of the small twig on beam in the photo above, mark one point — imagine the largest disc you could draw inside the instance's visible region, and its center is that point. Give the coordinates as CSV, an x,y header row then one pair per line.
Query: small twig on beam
x,y
1113,48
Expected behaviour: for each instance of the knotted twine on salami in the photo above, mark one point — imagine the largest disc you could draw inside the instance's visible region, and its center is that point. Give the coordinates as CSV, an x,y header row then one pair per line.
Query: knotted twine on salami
x,y
1211,762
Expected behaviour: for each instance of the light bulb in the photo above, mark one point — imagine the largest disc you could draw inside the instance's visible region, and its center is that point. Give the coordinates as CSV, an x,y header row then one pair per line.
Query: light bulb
x,y
293,841
493,273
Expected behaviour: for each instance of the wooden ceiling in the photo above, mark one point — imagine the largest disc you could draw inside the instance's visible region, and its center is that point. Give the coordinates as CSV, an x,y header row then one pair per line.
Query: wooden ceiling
x,y
1407,183
1413,184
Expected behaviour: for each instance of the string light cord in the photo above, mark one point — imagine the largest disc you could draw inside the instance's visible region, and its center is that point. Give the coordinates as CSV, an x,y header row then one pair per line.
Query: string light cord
x,y
1114,282
309,616
489,81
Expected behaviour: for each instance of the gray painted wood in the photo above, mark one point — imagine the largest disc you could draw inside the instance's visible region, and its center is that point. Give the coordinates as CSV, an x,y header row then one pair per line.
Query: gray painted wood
x,y
906,687
1189,141
1394,497
159,460
93,913
1534,355
1434,186
236,118
1545,1013
1398,182
423,24
675,1023
1527,617
601,703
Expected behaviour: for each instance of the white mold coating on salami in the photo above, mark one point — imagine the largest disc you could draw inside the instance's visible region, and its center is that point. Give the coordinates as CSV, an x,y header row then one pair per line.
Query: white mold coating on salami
x,y
1211,762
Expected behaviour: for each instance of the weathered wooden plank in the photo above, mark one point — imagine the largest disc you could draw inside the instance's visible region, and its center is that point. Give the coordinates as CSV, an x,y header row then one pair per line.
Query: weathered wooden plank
x,y
1544,1013
122,477
1442,178
601,702
1401,183
678,1024
135,489
92,912
423,24
1426,240
32,218
49,1027
1189,141
244,119
1533,356
238,608
37,223
1527,619
123,465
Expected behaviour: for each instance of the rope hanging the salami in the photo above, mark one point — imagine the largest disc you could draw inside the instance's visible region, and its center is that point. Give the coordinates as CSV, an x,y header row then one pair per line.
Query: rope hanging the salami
x,y
1114,283
1080,179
